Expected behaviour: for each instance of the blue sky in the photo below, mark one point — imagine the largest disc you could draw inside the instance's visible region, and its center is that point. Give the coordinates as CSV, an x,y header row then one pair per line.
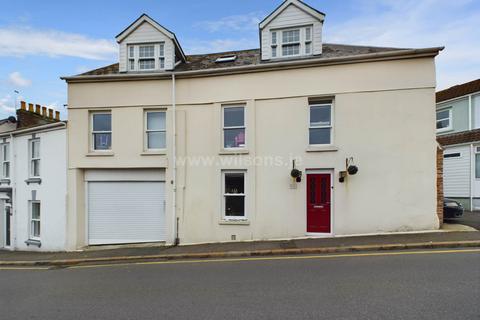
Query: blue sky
x,y
43,40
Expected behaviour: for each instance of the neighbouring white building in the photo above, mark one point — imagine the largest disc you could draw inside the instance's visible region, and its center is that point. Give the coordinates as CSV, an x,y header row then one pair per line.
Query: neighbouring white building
x,y
33,183
458,131
299,138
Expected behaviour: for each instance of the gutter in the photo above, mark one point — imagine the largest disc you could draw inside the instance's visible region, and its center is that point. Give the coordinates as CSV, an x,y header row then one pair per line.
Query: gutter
x,y
267,66
36,128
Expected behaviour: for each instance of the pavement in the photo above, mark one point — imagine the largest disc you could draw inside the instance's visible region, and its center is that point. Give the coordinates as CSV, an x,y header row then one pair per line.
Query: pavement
x,y
467,237
427,284
469,218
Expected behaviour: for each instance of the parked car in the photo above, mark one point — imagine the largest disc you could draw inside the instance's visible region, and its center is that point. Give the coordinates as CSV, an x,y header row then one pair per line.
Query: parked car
x,y
452,209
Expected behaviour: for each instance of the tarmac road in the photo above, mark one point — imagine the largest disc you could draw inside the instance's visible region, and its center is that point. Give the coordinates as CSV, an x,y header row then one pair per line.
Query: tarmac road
x,y
441,284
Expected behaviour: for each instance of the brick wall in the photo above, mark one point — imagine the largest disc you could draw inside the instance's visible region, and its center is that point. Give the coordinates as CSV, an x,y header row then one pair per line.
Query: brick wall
x,y
440,184
35,115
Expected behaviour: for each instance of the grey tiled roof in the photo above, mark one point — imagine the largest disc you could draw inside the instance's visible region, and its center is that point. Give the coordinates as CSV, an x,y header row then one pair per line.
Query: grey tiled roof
x,y
251,57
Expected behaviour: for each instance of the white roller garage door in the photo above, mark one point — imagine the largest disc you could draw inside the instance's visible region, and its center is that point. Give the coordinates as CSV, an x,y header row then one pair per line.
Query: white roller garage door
x,y
126,212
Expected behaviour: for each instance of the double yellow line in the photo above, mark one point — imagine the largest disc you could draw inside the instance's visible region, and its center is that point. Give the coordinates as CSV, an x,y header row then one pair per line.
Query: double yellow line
x,y
300,257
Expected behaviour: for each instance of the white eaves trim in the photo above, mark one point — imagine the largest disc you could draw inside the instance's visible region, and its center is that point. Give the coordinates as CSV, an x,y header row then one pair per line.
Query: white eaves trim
x,y
145,18
48,126
299,4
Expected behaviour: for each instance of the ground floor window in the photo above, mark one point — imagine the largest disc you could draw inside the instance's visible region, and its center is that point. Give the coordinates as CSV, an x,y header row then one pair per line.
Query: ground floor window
x,y
234,194
35,220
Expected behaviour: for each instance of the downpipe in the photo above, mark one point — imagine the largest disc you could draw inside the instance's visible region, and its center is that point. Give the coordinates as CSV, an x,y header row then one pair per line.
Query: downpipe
x,y
174,165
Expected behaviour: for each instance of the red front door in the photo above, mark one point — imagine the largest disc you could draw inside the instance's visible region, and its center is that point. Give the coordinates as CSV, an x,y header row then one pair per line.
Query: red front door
x,y
319,188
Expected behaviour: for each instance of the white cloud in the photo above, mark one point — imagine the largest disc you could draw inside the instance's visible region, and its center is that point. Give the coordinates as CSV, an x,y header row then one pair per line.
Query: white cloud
x,y
244,22
22,41
53,105
219,45
16,80
413,23
7,104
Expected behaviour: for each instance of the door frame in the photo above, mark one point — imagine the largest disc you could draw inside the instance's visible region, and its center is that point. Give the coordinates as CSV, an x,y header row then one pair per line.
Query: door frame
x,y
5,233
330,172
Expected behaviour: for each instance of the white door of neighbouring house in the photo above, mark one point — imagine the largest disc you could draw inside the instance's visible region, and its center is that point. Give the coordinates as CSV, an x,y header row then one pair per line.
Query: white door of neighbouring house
x,y
126,212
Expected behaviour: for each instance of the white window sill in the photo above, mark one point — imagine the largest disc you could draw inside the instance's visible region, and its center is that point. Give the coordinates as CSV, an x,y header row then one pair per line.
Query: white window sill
x,y
445,130
233,151
33,242
100,154
154,153
234,222
34,180
326,148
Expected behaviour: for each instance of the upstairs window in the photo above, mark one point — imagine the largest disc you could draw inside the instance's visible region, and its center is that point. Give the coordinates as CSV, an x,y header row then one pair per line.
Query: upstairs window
x,y
274,44
444,120
292,42
476,110
155,130
146,57
234,127
320,125
5,157
34,158
101,131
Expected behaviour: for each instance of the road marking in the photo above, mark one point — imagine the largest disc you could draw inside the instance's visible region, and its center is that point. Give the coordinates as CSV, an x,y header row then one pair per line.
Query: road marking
x,y
24,268
300,257
331,256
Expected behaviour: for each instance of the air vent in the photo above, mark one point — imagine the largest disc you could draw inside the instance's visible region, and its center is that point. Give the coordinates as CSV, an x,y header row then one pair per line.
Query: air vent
x,y
226,59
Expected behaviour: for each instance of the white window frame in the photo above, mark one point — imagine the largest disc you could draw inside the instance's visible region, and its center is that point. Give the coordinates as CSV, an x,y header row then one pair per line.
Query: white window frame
x,y
146,131
32,159
31,220
476,153
244,127
5,163
450,120
92,132
331,126
158,56
299,42
244,195
303,41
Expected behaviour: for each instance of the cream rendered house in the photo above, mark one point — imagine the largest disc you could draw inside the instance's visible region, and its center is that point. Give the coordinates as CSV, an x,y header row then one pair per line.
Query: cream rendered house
x,y
169,147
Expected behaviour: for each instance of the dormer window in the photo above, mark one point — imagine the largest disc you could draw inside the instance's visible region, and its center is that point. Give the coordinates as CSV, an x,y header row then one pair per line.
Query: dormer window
x,y
293,29
146,57
291,42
